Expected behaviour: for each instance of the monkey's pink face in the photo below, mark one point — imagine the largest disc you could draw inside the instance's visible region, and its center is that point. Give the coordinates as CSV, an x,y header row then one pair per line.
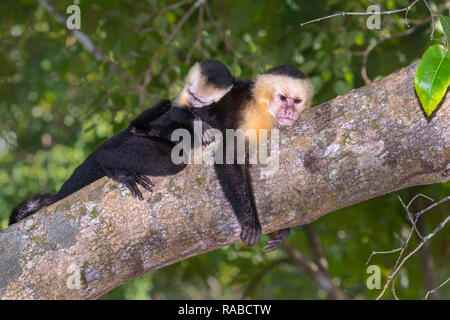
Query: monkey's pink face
x,y
286,108
195,101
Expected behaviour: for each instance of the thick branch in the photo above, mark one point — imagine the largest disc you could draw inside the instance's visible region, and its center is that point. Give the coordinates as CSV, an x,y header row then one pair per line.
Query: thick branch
x,y
372,141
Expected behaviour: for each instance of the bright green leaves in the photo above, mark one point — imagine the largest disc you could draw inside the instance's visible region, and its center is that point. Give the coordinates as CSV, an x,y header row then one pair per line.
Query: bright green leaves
x,y
432,77
433,74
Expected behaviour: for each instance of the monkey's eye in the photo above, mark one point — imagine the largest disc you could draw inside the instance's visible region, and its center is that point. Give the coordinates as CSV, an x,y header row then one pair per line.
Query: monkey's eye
x,y
297,100
283,98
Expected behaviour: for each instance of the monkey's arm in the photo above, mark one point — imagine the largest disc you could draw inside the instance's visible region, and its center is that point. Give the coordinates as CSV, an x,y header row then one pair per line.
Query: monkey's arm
x,y
142,123
186,116
235,182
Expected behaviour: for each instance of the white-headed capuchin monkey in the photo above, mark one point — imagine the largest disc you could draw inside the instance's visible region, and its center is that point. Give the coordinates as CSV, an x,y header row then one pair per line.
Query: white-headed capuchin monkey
x,y
135,152
277,97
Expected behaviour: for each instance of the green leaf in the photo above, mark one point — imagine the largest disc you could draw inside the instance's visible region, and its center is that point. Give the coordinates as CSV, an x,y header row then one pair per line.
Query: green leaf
x,y
432,77
445,22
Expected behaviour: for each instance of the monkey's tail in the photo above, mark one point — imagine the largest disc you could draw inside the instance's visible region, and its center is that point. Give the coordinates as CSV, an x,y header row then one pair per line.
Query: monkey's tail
x,y
30,206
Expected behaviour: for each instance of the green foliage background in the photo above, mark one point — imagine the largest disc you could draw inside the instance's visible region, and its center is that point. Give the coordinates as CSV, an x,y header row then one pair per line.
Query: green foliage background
x,y
57,103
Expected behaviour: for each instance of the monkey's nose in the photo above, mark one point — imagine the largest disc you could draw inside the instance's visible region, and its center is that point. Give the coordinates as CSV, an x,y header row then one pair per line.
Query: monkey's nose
x,y
290,110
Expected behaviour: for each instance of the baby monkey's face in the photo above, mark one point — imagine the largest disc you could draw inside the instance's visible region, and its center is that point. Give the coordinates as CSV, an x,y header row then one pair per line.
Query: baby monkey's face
x,y
195,100
199,91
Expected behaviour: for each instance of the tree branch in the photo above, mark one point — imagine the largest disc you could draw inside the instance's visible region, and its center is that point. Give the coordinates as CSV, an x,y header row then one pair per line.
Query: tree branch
x,y
372,141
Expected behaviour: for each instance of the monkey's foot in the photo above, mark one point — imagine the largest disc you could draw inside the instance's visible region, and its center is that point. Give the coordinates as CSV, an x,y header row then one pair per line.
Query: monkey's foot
x,y
251,233
278,241
131,181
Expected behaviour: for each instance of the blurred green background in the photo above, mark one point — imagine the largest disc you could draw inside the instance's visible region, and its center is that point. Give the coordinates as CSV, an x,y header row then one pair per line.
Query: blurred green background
x,y
58,102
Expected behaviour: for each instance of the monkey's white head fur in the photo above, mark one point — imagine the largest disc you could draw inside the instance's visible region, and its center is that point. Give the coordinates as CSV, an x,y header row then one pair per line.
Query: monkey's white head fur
x,y
285,97
197,92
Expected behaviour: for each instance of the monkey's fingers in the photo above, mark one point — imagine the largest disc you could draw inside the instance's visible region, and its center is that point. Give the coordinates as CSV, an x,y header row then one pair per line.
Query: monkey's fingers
x,y
272,245
153,133
132,186
251,234
278,241
207,137
137,132
144,182
147,180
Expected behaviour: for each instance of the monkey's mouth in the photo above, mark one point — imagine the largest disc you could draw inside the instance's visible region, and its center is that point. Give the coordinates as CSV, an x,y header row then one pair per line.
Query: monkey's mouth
x,y
194,101
286,121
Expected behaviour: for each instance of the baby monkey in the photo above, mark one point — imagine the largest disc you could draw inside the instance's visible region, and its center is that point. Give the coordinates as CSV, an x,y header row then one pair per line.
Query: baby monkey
x,y
206,83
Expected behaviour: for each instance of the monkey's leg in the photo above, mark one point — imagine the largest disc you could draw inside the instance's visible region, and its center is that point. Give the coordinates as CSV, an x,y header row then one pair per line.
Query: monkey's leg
x,y
126,169
234,181
278,240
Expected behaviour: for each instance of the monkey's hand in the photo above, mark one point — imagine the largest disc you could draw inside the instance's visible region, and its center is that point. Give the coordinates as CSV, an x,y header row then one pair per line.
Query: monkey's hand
x,y
152,132
137,132
207,137
251,232
132,180
278,241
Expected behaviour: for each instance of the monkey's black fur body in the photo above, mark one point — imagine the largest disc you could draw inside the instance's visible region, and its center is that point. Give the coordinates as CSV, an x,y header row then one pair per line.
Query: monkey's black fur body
x,y
125,157
144,148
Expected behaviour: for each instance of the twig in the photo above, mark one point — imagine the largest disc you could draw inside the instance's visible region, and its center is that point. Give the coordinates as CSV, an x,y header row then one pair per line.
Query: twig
x,y
410,217
322,278
371,47
260,276
427,261
83,39
148,72
432,18
436,289
418,214
383,252
180,23
393,290
172,7
362,13
425,239
228,47
316,248
419,195
417,24
199,35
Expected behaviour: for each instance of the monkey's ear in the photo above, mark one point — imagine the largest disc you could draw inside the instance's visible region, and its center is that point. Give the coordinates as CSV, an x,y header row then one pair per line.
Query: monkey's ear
x,y
263,90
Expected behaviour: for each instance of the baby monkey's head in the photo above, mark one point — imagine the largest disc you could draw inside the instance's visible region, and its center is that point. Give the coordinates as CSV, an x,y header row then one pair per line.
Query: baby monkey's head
x,y
207,82
286,91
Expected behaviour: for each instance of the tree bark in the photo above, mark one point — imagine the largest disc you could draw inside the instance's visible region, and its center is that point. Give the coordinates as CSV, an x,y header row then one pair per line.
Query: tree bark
x,y
372,141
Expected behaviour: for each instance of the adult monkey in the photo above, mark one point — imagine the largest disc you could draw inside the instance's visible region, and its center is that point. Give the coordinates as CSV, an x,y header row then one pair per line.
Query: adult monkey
x,y
129,156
